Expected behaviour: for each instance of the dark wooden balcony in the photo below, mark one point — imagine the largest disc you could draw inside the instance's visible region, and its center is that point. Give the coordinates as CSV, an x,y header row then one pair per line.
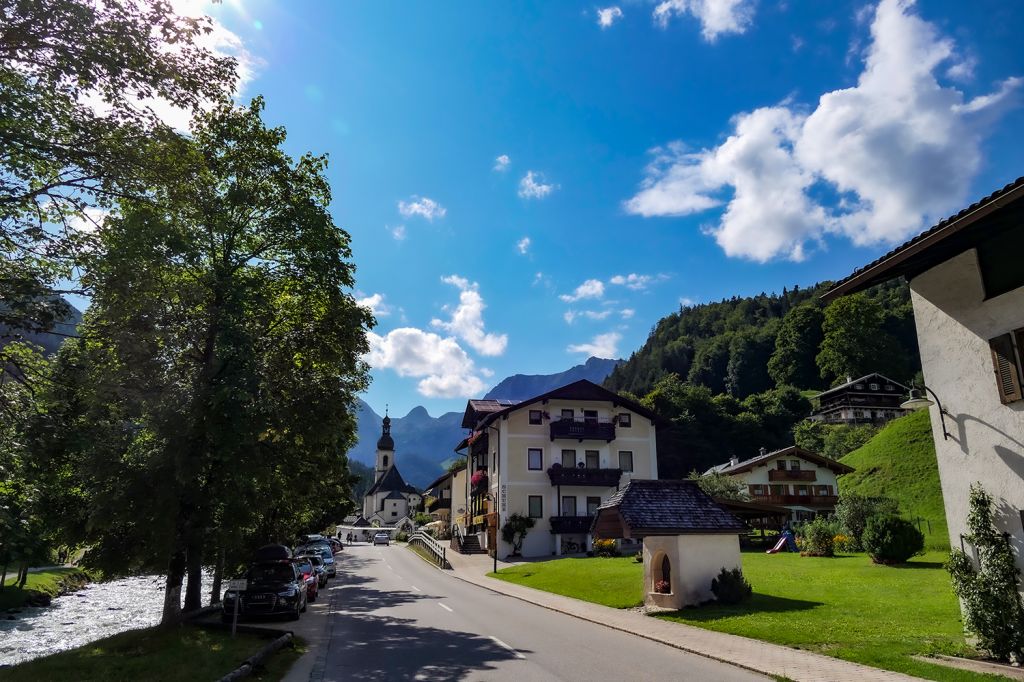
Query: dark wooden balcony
x,y
571,524
805,500
439,503
582,430
791,475
605,478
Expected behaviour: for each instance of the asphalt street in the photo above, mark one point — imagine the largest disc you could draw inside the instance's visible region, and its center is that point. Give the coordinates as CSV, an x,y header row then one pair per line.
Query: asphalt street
x,y
395,617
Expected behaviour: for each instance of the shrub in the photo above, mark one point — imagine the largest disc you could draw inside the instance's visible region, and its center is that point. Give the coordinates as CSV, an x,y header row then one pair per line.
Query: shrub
x,y
819,537
662,587
853,512
605,548
401,536
730,587
639,557
891,540
514,531
993,610
844,543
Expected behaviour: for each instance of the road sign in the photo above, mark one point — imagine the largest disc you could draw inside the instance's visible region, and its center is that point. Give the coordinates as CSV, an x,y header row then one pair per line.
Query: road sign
x,y
237,585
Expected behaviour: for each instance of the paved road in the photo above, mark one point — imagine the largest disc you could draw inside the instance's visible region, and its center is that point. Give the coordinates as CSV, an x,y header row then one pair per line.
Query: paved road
x,y
397,618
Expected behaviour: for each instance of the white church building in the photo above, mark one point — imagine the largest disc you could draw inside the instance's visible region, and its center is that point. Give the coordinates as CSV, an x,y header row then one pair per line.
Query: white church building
x,y
390,501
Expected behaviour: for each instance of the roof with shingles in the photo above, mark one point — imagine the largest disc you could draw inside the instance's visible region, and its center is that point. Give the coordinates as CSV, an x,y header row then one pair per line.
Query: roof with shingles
x,y
897,261
863,380
669,507
391,480
791,451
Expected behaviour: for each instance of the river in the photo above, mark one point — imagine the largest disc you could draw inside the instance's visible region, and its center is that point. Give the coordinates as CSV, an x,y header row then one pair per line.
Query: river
x,y
99,610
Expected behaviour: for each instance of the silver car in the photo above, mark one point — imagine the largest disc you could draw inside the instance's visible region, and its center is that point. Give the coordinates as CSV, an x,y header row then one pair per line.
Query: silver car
x,y
382,538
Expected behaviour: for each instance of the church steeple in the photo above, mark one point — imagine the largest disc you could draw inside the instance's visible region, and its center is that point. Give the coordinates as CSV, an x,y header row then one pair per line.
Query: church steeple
x,y
385,447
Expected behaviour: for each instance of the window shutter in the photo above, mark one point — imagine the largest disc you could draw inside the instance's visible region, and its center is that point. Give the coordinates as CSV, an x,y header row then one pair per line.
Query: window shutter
x,y
1007,371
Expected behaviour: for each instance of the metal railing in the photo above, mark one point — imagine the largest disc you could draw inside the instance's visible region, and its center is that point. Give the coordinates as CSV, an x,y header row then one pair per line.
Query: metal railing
x,y
436,550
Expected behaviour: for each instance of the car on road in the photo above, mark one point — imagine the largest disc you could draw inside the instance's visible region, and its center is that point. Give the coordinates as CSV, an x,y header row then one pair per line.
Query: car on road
x,y
382,538
319,568
305,567
273,588
324,550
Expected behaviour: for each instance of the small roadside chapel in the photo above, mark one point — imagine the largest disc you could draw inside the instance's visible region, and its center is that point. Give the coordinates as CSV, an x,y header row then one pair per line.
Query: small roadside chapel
x,y
688,538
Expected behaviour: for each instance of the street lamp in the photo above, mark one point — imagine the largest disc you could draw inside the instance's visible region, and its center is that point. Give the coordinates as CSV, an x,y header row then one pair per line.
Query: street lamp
x,y
918,402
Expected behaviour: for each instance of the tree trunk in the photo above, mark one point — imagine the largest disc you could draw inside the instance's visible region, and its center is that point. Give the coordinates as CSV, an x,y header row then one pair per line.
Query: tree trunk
x,y
172,591
194,586
3,577
218,574
23,575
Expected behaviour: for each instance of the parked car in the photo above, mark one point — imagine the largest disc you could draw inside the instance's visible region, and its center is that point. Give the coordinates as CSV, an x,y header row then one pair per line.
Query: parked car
x,y
272,552
305,566
272,588
319,568
382,538
336,545
324,550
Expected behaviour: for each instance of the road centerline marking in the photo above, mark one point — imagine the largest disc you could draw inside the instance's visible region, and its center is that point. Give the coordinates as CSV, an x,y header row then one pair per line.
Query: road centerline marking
x,y
445,607
506,646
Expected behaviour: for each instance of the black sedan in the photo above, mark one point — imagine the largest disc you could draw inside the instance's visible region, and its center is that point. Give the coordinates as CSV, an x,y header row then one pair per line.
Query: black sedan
x,y
273,588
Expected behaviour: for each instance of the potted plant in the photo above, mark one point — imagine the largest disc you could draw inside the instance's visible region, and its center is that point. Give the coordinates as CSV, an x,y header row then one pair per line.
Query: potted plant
x,y
663,587
479,481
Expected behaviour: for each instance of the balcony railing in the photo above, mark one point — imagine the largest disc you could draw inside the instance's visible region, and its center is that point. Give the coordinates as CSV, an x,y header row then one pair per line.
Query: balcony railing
x,y
571,524
791,475
439,503
605,478
812,500
583,430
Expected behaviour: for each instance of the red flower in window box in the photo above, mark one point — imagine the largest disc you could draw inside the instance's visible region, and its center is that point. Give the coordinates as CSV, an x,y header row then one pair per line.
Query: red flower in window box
x,y
479,481
662,587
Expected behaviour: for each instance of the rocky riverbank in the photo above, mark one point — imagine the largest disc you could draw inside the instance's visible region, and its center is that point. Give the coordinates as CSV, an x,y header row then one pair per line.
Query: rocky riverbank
x,y
42,588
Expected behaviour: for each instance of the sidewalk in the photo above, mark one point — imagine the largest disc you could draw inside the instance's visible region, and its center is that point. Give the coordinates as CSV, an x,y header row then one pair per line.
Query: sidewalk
x,y
762,657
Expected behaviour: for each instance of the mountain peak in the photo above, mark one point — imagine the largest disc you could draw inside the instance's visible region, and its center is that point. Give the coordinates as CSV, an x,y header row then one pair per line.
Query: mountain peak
x,y
523,386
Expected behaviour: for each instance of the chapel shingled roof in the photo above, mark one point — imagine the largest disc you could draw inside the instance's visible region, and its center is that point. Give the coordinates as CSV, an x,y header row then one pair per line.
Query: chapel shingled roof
x,y
391,481
669,507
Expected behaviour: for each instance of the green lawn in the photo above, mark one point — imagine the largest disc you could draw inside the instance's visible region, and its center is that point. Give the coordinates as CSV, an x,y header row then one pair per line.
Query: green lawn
x,y
48,582
177,655
845,607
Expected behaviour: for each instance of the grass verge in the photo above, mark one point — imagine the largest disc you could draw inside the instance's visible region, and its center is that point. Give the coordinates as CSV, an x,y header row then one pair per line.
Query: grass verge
x,y
845,607
53,583
175,655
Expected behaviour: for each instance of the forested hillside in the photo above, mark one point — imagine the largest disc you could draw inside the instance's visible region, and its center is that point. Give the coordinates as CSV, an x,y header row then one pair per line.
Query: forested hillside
x,y
747,345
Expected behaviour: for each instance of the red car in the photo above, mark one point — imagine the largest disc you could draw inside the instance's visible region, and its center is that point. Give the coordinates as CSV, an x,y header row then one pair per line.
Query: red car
x,y
304,566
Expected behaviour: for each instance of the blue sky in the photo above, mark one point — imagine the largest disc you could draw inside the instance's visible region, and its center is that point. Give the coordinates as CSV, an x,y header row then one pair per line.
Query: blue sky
x,y
525,186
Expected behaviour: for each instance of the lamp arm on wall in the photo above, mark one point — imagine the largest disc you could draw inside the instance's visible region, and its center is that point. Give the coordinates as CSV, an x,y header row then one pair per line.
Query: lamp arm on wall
x,y
942,412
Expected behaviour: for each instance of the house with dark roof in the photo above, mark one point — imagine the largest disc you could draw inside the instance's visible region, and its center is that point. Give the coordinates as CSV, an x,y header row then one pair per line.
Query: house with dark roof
x,y
966,277
871,399
802,481
390,500
688,538
554,458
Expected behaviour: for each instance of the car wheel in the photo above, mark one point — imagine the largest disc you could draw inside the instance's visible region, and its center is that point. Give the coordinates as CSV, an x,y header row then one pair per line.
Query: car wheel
x,y
294,615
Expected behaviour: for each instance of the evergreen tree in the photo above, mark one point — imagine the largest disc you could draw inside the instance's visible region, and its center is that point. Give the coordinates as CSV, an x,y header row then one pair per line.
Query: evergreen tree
x,y
796,347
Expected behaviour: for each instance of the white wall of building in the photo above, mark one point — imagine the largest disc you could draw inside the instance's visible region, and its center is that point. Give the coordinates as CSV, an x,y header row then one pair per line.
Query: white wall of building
x,y
954,325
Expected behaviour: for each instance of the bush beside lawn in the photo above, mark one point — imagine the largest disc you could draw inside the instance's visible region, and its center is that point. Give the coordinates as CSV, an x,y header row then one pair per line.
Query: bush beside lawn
x,y
174,655
845,607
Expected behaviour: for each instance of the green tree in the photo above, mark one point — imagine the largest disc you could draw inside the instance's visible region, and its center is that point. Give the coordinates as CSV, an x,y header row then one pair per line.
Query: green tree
x,y
796,346
710,363
720,485
73,133
514,531
855,342
221,330
749,352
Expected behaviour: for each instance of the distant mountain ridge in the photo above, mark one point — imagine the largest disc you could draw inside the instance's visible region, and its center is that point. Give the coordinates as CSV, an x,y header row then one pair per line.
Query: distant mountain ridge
x,y
523,386
423,444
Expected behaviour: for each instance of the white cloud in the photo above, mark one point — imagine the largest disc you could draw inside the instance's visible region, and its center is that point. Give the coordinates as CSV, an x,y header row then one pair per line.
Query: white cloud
x,y
398,232
899,149
88,220
523,245
570,315
716,16
376,304
444,368
632,281
501,163
601,346
467,321
534,186
627,313
606,16
592,288
686,301
424,207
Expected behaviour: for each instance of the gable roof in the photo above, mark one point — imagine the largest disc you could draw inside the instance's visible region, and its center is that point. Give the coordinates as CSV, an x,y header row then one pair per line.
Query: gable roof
x,y
678,507
577,390
943,241
791,451
394,495
391,480
361,522
474,408
862,380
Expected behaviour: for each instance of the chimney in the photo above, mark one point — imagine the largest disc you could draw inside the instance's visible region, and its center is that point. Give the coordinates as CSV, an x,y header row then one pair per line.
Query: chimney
x,y
734,460
849,379
763,451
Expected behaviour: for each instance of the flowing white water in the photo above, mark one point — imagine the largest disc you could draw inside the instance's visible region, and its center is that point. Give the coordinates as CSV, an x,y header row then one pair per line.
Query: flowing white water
x,y
100,610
